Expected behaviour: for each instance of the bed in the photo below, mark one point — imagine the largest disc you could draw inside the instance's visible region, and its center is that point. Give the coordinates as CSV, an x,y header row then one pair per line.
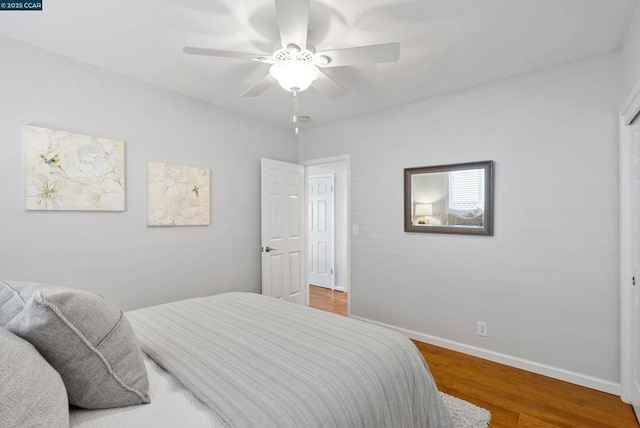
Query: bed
x,y
246,360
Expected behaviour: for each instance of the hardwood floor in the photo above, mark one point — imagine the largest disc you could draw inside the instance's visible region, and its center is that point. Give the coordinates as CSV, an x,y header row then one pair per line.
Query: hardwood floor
x,y
515,398
327,300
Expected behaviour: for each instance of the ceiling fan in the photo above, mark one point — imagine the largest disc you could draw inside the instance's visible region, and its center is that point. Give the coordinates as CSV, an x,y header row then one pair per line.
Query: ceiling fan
x,y
297,65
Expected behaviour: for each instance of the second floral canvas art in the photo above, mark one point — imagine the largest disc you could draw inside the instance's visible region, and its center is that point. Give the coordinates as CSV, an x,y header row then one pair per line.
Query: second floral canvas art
x,y
178,195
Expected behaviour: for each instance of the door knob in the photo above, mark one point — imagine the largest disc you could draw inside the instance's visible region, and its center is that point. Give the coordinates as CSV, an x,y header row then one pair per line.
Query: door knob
x,y
269,249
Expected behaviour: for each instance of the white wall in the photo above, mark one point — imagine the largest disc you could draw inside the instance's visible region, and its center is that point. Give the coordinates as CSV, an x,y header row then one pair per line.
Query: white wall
x,y
631,56
116,254
547,282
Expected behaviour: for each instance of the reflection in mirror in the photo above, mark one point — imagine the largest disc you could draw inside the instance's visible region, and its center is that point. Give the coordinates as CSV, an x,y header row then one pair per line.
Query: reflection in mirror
x,y
450,199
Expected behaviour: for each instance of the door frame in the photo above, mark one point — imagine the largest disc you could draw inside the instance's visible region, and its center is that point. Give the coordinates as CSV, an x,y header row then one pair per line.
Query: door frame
x,y
630,109
318,162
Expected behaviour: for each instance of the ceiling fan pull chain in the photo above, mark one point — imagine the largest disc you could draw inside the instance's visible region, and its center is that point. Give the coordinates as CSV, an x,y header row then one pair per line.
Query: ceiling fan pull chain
x,y
295,109
295,105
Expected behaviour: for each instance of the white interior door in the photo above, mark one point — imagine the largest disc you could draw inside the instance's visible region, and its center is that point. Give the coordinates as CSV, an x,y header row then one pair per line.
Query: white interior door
x,y
283,239
320,233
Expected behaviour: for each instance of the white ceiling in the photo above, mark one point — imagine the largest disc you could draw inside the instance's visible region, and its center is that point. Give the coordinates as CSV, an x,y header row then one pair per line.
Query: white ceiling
x,y
445,45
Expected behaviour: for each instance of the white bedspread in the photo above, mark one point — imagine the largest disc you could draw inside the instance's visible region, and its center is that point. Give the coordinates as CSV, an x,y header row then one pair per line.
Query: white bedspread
x,y
172,406
260,362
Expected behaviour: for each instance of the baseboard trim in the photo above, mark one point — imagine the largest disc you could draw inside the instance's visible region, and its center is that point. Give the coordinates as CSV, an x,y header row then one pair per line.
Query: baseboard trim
x,y
508,360
336,288
328,287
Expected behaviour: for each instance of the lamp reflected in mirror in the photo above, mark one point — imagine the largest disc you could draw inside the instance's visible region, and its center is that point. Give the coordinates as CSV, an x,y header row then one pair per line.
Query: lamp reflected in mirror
x,y
422,211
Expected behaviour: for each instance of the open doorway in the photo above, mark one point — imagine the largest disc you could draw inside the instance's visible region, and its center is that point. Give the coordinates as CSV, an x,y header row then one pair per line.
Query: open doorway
x,y
328,260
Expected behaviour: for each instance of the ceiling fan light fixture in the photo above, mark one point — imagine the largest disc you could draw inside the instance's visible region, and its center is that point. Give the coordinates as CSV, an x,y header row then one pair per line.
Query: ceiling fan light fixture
x,y
294,74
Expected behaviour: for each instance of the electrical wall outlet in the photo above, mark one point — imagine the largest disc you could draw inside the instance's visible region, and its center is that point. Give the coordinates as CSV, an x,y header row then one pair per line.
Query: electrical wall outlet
x,y
483,329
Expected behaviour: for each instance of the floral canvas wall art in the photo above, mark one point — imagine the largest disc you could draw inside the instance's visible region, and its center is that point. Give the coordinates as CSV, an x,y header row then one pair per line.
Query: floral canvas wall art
x,y
178,195
73,172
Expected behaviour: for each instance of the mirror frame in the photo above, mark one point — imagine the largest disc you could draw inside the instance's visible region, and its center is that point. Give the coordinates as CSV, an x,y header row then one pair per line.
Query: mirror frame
x,y
485,230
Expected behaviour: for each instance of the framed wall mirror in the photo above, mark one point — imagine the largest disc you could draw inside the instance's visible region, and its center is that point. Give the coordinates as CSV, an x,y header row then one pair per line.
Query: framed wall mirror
x,y
454,198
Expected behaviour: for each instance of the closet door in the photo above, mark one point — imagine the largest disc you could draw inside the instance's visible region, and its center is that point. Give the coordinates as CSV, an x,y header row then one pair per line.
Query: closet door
x,y
635,268
320,231
630,263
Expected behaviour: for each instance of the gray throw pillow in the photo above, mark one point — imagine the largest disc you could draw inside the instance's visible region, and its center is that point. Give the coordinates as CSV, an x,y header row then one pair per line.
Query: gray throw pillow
x,y
15,294
456,220
31,391
90,343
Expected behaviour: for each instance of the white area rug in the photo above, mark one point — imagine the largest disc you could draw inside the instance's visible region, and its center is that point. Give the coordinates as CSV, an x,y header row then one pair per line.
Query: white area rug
x,y
465,414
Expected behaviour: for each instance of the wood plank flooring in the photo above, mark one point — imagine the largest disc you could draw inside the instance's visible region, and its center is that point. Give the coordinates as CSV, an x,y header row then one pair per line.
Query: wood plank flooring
x,y
327,300
515,398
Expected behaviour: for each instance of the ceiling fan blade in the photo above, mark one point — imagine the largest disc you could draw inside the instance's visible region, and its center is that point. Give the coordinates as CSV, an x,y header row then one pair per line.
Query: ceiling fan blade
x,y
387,52
260,87
227,54
293,20
327,86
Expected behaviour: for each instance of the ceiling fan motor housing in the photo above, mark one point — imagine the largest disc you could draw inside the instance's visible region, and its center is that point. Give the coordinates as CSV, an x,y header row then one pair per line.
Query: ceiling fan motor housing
x,y
293,52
